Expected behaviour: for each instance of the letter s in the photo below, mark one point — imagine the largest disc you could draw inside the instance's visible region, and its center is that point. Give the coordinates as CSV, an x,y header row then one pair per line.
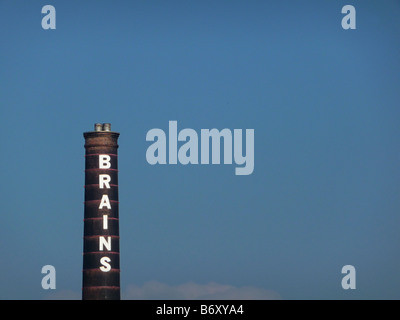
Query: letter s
x,y
105,264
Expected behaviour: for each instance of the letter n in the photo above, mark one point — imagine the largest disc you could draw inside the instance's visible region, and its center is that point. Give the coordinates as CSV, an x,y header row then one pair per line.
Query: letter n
x,y
104,243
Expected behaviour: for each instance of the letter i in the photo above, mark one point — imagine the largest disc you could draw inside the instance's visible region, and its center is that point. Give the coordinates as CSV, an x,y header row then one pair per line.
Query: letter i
x,y
105,222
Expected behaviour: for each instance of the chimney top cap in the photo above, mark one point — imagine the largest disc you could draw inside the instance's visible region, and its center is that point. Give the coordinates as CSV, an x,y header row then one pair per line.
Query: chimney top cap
x,y
98,127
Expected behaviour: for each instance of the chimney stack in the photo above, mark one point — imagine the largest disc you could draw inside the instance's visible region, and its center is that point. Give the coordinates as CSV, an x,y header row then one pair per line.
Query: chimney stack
x,y
101,271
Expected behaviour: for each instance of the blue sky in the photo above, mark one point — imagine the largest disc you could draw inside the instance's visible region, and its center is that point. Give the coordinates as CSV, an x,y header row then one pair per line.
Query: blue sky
x,y
324,105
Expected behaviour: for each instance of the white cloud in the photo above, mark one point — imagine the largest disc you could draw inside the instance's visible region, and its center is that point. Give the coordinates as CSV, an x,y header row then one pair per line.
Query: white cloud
x,y
155,290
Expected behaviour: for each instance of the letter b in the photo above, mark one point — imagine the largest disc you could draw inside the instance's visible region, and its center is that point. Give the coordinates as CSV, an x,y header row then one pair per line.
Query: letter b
x,y
104,161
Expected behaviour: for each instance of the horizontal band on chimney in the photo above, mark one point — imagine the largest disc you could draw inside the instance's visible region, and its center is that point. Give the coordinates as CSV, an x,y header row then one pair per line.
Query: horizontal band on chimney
x,y
101,154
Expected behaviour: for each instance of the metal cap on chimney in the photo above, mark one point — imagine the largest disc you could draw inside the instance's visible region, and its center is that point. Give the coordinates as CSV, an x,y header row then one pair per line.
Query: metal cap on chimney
x,y
106,126
98,127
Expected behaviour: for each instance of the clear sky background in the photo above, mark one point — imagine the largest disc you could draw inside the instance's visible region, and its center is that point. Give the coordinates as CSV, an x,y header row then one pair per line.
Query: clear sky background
x,y
324,104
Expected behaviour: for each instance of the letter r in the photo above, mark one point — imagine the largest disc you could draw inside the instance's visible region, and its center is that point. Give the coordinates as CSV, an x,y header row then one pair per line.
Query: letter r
x,y
104,180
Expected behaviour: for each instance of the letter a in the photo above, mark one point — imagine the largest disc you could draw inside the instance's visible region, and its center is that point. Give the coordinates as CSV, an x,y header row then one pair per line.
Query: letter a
x,y
105,202
158,147
349,20
349,280
49,280
49,20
